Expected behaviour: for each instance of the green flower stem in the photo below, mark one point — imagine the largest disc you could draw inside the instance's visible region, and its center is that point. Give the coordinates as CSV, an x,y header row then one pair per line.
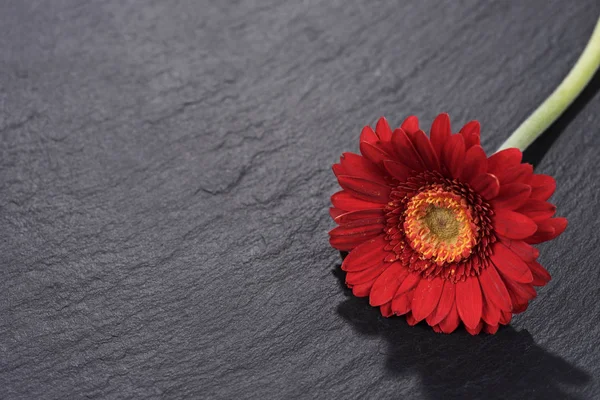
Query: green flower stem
x,y
561,98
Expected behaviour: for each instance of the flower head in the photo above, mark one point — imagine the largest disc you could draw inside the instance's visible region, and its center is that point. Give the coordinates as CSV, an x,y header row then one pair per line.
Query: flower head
x,y
438,231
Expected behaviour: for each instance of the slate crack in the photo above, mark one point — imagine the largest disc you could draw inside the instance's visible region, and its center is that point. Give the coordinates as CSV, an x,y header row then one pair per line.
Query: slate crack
x,y
19,124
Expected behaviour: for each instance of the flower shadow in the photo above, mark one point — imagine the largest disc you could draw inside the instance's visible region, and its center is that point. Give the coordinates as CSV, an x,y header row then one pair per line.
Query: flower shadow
x,y
460,366
538,149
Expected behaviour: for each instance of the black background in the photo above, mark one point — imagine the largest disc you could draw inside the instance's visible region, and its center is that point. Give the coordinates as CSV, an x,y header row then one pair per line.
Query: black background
x,y
164,187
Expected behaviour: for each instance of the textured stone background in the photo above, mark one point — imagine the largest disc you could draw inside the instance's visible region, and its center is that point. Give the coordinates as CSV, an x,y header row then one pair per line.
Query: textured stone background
x,y
164,185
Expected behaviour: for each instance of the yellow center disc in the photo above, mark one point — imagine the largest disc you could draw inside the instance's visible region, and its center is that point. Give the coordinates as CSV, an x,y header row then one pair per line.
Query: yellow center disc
x,y
439,225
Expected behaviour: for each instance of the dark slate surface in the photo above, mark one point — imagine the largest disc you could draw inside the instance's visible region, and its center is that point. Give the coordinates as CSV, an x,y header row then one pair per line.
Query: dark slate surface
x,y
164,185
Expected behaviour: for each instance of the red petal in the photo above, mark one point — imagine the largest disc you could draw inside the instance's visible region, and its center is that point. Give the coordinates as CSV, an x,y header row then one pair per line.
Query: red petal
x,y
410,320
454,155
426,151
440,132
519,308
475,164
540,276
548,230
367,255
386,285
362,289
444,305
522,249
471,132
358,277
359,230
486,185
510,265
544,233
560,224
368,135
427,296
520,294
383,130
469,302
343,241
490,313
513,225
407,153
386,309
398,170
521,173
476,330
345,201
410,125
491,329
349,236
504,159
361,217
364,189
374,152
335,212
494,288
512,196
338,169
537,210
409,283
505,317
402,303
360,167
542,186
450,323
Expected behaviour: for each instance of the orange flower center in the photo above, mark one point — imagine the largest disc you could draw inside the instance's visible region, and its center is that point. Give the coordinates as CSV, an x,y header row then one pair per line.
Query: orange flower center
x,y
439,225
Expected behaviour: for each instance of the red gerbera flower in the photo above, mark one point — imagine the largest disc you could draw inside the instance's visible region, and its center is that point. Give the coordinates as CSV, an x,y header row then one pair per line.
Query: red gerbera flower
x,y
438,231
